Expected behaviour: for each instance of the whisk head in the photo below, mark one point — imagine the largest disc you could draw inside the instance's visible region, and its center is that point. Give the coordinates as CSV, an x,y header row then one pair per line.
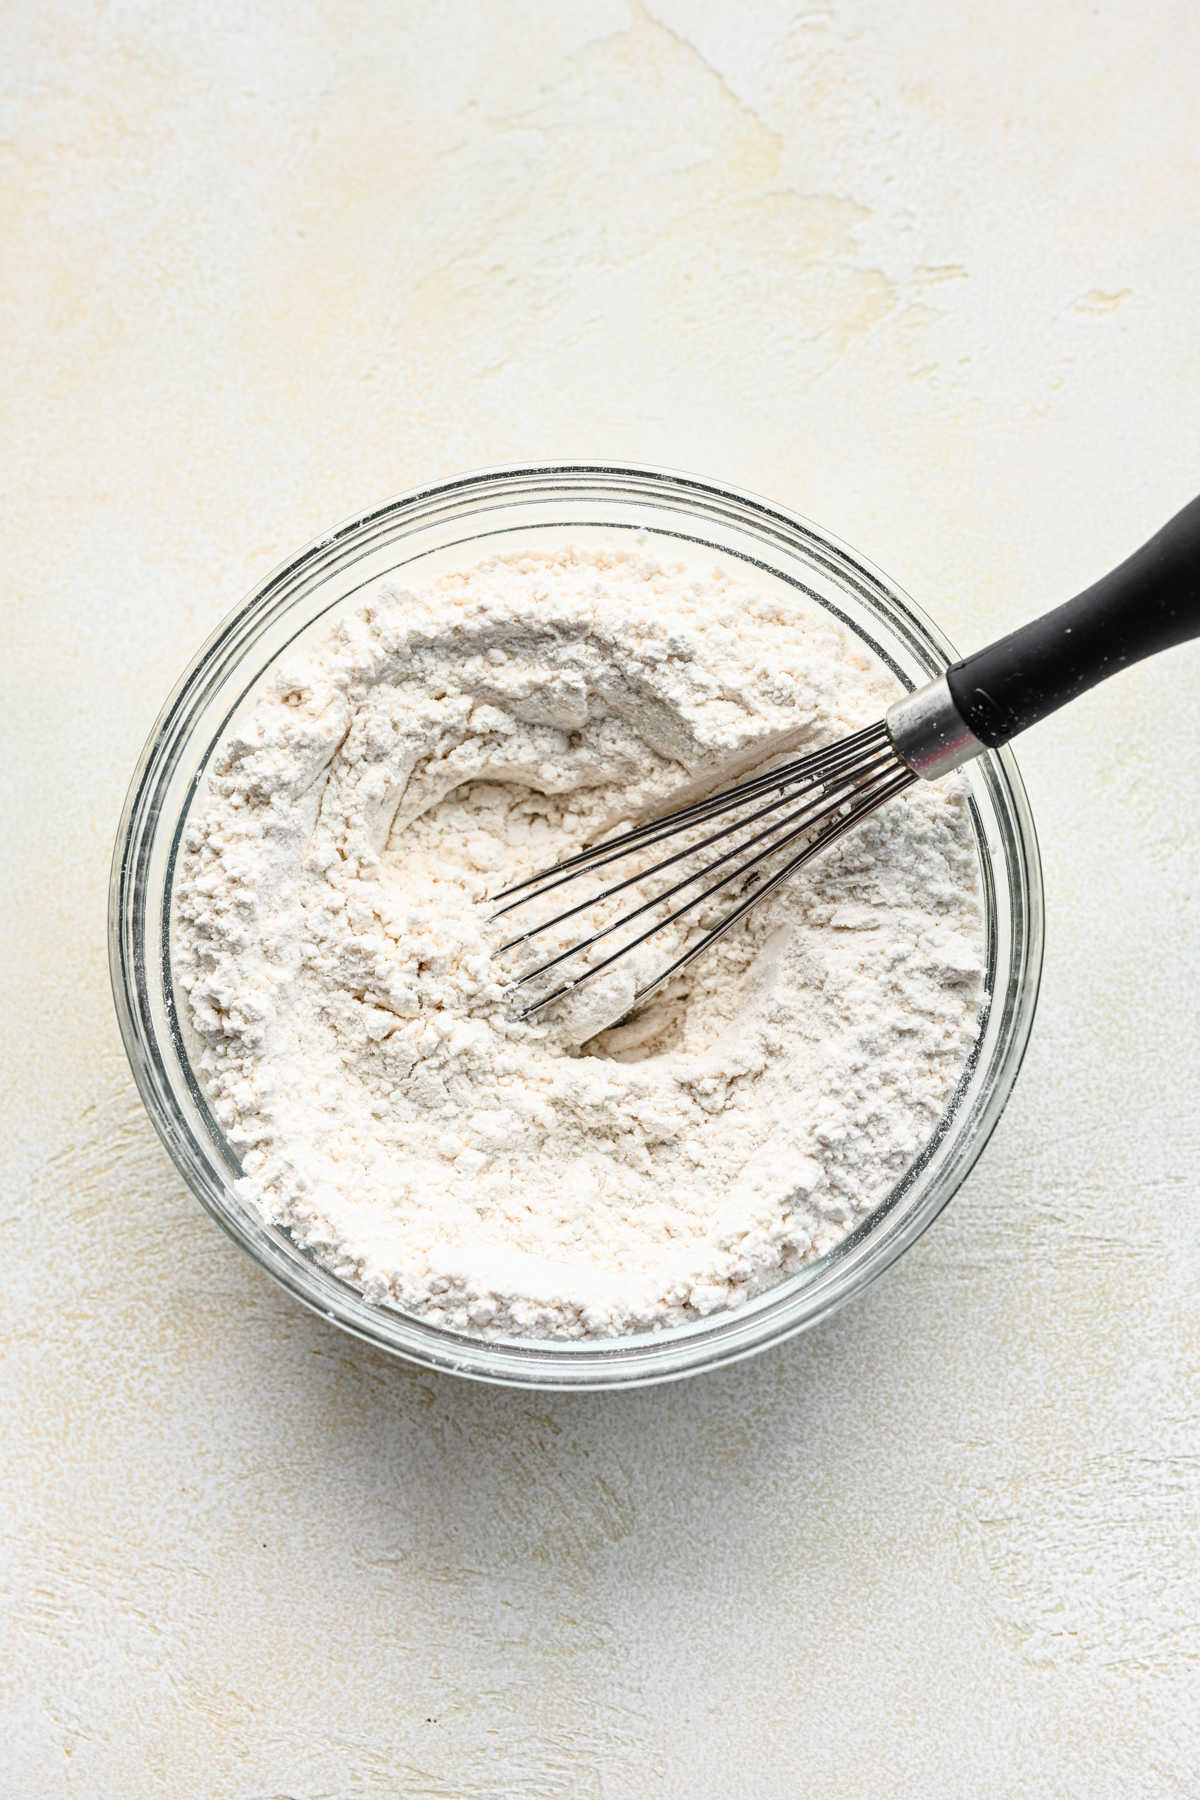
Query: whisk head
x,y
759,833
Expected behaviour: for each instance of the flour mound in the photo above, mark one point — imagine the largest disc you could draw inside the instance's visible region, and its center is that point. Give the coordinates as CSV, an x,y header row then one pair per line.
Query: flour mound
x,y
567,1176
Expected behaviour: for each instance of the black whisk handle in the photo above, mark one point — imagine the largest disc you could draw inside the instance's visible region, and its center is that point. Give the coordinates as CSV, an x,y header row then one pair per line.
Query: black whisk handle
x,y
1150,602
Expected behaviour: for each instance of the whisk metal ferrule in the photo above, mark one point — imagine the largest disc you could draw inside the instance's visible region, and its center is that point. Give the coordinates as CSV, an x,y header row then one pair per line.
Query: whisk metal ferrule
x,y
929,733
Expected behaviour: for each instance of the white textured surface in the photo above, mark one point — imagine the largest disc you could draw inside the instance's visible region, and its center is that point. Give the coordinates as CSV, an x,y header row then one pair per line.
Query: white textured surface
x,y
929,279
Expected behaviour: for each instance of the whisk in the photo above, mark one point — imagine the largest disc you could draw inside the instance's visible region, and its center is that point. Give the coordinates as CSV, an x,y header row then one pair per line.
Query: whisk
x,y
749,838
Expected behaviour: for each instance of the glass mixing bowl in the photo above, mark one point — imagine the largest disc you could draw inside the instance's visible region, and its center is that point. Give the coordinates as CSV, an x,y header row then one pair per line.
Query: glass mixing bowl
x,y
459,522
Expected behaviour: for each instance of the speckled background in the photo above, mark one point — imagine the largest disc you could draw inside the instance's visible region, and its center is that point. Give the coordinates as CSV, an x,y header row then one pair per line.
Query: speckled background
x,y
925,273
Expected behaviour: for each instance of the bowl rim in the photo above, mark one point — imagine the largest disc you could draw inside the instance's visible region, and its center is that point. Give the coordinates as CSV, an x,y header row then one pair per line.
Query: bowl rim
x,y
549,1364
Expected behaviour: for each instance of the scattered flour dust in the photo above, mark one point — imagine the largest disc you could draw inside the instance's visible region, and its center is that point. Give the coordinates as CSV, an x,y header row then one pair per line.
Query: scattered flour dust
x,y
557,1178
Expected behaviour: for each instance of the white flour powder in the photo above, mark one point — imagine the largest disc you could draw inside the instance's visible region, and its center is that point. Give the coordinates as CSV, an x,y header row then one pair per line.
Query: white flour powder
x,y
357,1047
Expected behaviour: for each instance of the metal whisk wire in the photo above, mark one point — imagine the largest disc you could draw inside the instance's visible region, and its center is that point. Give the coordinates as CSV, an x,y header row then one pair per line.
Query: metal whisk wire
x,y
837,787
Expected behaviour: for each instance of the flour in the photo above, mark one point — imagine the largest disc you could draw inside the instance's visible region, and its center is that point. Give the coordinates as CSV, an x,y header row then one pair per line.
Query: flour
x,y
563,1176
